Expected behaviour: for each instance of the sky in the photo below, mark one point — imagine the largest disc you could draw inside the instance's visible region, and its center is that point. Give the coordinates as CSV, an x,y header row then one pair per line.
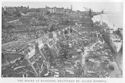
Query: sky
x,y
114,10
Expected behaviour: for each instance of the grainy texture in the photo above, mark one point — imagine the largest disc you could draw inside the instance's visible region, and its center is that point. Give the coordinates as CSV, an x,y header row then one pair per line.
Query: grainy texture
x,y
59,42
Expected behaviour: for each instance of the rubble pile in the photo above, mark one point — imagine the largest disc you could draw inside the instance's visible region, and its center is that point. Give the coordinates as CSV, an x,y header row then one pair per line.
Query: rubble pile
x,y
58,43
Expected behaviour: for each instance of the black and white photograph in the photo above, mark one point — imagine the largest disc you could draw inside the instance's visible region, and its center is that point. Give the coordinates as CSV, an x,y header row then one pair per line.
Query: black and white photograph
x,y
61,39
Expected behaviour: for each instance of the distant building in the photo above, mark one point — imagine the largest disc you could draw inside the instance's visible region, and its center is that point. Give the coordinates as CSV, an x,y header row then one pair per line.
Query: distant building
x,y
11,10
56,10
43,11
67,11
22,9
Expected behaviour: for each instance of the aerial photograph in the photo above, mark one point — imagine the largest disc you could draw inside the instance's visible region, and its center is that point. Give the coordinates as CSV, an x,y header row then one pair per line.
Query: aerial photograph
x,y
62,39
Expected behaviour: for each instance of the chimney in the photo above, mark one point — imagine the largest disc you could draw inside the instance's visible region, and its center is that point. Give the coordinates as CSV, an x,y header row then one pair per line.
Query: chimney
x,y
71,7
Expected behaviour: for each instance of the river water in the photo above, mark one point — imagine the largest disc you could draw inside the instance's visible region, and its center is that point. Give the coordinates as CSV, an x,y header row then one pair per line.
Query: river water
x,y
113,19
